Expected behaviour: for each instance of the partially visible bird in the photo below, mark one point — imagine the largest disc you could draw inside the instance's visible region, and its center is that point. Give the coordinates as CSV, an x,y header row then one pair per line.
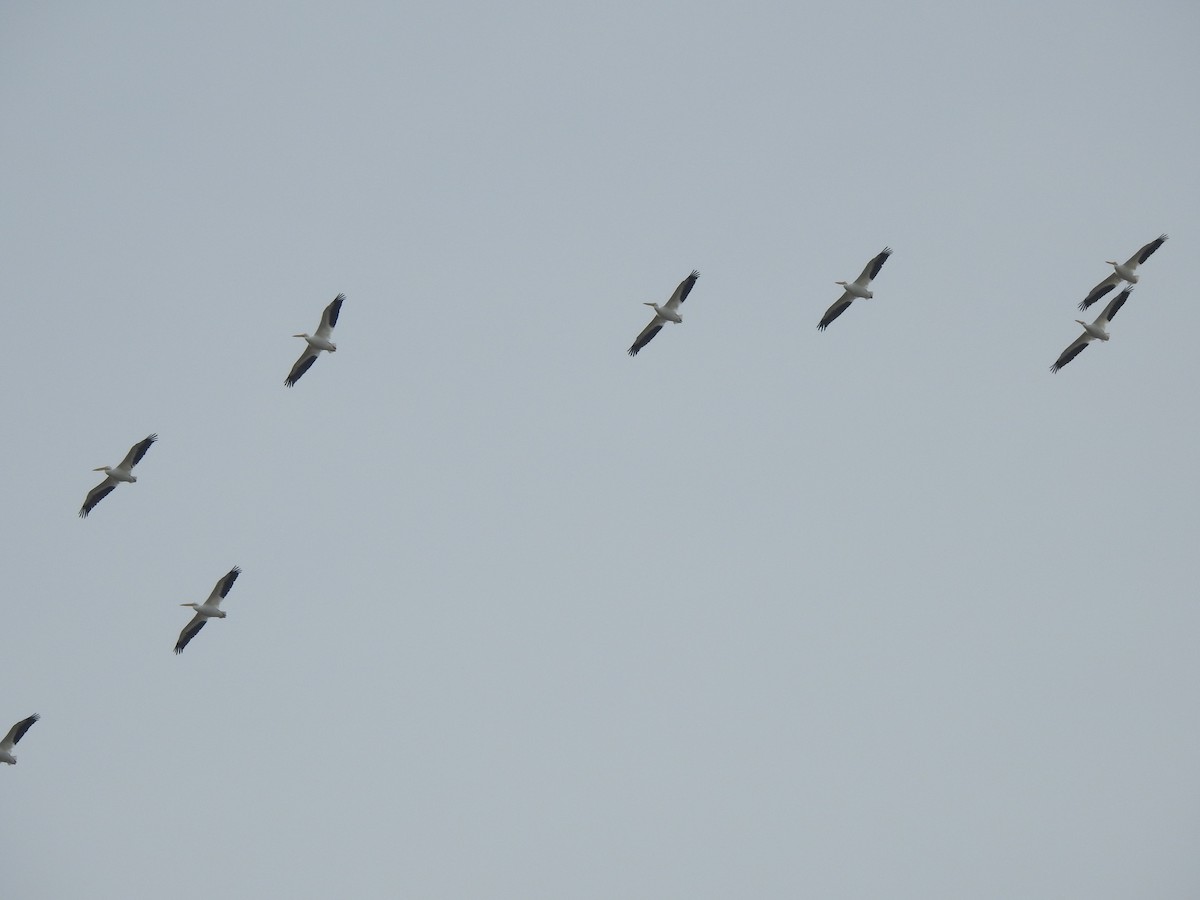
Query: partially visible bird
x,y
858,289
123,471
317,342
14,737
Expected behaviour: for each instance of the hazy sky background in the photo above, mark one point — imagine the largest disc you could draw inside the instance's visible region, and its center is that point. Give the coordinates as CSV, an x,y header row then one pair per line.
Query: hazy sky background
x,y
885,611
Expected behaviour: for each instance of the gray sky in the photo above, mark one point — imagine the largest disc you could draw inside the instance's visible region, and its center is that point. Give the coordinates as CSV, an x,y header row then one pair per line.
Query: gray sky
x,y
888,611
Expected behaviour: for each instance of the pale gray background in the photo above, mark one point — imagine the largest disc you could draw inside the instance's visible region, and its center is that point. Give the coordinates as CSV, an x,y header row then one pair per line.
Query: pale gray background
x,y
888,611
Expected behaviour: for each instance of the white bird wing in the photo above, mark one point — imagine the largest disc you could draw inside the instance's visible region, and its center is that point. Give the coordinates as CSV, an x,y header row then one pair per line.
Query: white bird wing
x,y
647,334
17,732
839,306
303,364
1100,290
136,452
681,292
1072,351
1111,310
872,268
96,494
221,588
1146,252
190,631
329,317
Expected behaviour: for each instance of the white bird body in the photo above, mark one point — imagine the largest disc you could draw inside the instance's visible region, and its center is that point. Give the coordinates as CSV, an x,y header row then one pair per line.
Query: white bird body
x,y
318,342
665,312
13,737
1122,271
209,609
315,343
858,289
118,474
668,312
1092,331
1095,329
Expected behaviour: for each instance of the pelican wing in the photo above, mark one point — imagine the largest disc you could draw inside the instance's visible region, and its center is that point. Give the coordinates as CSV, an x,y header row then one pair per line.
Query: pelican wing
x,y
1146,252
1100,290
222,587
839,306
872,268
1072,351
681,292
190,631
329,317
647,335
136,452
95,495
1111,310
17,732
303,364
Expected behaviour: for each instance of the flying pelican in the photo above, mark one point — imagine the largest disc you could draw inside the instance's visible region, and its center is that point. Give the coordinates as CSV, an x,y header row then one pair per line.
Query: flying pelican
x,y
317,342
209,609
14,737
1097,331
1126,271
116,474
665,313
855,290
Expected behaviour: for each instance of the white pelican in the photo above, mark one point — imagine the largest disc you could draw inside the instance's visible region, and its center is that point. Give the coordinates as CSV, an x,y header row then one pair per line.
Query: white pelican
x,y
116,474
665,313
317,342
1126,271
14,737
1097,331
209,609
858,289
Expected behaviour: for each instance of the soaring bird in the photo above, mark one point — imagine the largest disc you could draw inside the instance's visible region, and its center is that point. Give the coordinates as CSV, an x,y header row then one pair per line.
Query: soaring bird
x,y
116,474
14,737
858,289
665,313
209,609
317,342
1126,271
1097,331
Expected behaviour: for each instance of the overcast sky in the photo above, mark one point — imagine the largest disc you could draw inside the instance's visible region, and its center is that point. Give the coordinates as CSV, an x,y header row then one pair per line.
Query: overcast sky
x,y
884,611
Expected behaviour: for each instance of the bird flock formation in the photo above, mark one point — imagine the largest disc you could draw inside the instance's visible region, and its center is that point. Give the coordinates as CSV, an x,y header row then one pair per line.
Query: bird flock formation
x,y
858,289
122,473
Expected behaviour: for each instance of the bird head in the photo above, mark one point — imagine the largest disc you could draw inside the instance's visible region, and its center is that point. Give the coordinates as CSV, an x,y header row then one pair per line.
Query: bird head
x,y
300,335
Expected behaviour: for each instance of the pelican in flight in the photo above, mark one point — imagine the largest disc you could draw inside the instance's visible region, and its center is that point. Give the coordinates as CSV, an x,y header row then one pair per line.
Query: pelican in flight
x,y
317,342
665,313
858,289
209,609
1126,271
14,737
1097,331
116,474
